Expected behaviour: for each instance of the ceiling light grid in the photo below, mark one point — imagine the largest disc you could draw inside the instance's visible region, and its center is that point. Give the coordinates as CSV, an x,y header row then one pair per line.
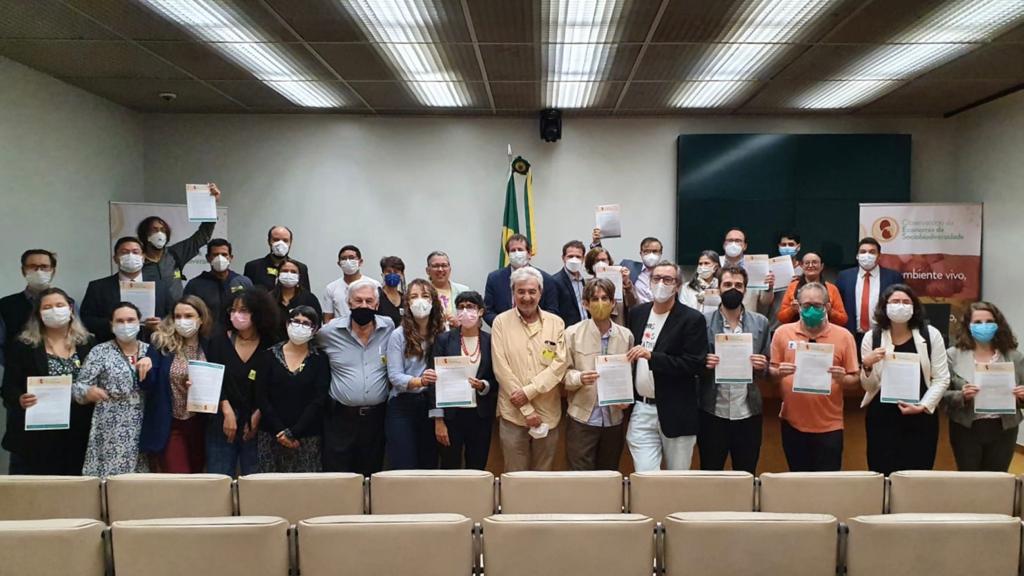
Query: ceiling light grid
x,y
579,38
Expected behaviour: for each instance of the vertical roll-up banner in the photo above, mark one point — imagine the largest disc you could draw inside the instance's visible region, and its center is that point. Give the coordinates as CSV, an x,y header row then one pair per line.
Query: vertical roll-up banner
x,y
937,249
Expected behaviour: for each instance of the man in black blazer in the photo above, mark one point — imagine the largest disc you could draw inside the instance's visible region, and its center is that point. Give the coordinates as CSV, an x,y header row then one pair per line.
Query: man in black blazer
x,y
467,430
498,291
103,295
869,276
569,281
671,349
263,271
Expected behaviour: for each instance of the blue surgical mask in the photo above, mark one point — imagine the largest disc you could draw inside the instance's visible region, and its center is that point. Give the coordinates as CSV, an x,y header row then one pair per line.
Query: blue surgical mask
x,y
984,333
392,280
788,251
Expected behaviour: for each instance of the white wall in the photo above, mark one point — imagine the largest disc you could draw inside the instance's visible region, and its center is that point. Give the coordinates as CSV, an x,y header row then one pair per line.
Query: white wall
x,y
407,186
64,154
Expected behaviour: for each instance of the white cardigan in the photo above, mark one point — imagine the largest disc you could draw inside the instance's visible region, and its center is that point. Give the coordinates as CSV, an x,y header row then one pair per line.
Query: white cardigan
x,y
936,370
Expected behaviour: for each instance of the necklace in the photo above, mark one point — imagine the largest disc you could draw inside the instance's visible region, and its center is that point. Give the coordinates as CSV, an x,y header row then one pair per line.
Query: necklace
x,y
475,355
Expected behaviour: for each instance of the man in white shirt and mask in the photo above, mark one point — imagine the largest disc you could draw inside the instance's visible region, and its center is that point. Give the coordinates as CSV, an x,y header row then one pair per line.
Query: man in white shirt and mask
x,y
335,299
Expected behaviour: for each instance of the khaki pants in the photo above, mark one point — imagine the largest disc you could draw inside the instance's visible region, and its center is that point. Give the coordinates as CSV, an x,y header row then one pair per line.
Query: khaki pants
x,y
523,452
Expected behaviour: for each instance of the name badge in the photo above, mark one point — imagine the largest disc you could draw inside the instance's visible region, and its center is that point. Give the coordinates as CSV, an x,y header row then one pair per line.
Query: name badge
x,y
792,344
237,289
548,355
252,374
177,274
272,271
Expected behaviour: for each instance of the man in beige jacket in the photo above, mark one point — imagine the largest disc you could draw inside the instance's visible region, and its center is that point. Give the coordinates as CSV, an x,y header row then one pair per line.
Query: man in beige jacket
x,y
593,433
528,352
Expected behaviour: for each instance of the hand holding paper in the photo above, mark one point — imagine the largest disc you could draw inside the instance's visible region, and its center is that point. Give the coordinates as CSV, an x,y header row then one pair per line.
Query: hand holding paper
x,y
609,220
201,201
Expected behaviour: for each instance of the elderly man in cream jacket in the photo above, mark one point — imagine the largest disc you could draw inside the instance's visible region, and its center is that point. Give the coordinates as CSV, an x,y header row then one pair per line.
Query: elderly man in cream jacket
x,y
902,435
593,434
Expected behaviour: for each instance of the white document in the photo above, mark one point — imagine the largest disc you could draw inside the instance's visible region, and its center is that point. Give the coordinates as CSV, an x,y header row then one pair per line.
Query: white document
x,y
995,383
712,298
202,207
614,380
609,219
813,360
452,389
614,274
53,403
757,267
734,352
782,268
901,378
204,392
143,295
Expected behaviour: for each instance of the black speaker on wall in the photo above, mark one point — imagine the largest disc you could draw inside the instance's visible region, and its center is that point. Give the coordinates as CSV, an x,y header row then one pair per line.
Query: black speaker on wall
x,y
551,125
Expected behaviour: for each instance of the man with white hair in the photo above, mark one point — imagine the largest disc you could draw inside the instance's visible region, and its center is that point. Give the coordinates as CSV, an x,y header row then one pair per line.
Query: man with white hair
x,y
528,352
355,344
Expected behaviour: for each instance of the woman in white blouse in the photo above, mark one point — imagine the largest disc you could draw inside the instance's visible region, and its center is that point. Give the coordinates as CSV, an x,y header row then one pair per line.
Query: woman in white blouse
x,y
902,427
694,293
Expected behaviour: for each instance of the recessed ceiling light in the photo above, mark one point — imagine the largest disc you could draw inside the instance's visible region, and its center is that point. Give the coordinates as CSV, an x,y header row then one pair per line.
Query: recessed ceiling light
x,y
578,36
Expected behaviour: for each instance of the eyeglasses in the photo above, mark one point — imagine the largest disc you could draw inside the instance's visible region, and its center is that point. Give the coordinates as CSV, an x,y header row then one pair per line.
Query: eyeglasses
x,y
666,280
440,266
305,323
809,306
466,307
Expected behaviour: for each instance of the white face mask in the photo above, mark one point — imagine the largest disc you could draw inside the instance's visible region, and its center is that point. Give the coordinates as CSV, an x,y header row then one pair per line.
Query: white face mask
x,y
279,248
662,293
126,332
38,279
651,259
599,266
733,249
130,263
574,265
299,334
288,279
220,263
56,317
186,327
158,240
518,258
867,260
899,313
705,272
350,266
420,308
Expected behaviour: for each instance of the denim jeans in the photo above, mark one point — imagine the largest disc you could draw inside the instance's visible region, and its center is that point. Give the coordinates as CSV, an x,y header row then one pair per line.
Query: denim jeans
x,y
411,444
223,457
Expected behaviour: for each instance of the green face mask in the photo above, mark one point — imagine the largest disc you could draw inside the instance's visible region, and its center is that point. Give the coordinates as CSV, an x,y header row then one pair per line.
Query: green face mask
x,y
812,317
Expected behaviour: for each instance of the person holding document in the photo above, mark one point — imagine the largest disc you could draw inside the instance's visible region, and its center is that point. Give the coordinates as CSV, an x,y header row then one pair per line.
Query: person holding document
x,y
593,433
704,279
104,294
982,442
812,423
902,435
598,259
172,436
53,343
812,269
109,380
730,412
734,249
464,434
640,272
408,423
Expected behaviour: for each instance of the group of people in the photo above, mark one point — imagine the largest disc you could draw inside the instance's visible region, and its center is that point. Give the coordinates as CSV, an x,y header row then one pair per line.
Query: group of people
x,y
345,382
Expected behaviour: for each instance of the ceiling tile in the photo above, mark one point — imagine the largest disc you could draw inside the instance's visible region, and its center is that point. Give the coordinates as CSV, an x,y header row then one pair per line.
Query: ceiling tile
x,y
673,62
823,61
517,95
199,59
46,19
648,95
935,97
134,20
511,62
88,59
359,62
143,94
992,62
318,20
505,20
880,20
396,95
707,20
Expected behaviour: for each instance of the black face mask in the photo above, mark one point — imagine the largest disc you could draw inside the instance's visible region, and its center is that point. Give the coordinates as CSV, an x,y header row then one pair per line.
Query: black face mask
x,y
363,316
732,298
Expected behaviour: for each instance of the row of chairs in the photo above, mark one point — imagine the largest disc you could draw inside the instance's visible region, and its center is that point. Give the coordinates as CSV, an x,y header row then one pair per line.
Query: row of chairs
x,y
477,495
694,543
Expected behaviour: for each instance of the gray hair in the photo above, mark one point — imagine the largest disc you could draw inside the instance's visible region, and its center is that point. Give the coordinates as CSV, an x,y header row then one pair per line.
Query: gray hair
x,y
670,264
526,273
813,286
360,284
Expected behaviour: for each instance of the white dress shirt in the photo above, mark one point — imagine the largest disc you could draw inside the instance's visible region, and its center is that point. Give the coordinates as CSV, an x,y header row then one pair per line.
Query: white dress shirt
x,y
876,285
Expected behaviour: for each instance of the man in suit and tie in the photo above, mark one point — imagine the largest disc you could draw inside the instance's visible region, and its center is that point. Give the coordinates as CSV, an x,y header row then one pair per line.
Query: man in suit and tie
x,y
498,292
103,295
569,281
860,287
672,346
640,272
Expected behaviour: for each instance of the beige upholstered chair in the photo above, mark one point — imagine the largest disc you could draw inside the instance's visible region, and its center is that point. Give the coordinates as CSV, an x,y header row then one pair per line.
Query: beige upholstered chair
x,y
143,496
52,547
660,493
296,497
597,492
42,497
953,492
841,494
466,492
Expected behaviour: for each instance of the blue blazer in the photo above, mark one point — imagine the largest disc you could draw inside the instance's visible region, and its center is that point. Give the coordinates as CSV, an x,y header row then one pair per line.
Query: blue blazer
x,y
498,293
449,344
634,267
847,284
568,308
156,415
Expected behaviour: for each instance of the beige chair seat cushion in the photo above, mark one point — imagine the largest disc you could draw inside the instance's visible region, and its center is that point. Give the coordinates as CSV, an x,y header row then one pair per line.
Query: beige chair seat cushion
x,y
42,497
598,492
296,497
952,492
142,496
52,547
841,494
466,492
660,493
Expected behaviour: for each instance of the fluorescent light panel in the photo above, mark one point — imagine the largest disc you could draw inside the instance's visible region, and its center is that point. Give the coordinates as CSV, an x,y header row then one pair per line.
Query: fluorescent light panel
x,y
401,30
232,34
755,39
947,33
578,49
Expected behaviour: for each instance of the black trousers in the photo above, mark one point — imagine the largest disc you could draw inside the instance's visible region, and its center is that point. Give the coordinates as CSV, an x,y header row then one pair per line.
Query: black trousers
x,y
812,451
897,442
469,436
353,439
984,447
410,433
719,438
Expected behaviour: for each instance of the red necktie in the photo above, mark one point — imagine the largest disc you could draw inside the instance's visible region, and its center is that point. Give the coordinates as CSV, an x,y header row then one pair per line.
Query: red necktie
x,y
865,304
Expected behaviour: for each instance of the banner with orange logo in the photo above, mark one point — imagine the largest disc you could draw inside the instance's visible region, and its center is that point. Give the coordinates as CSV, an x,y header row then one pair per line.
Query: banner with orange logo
x,y
937,248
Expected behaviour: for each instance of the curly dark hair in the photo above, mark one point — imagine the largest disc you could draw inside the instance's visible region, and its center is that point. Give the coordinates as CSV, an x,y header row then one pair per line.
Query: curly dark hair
x,y
414,341
919,320
263,309
1004,340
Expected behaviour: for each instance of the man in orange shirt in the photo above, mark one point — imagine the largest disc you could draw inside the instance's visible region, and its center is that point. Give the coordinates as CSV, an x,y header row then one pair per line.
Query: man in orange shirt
x,y
812,424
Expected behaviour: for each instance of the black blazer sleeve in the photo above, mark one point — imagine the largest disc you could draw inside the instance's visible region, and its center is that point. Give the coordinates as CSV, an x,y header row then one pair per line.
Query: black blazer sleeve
x,y
685,352
95,307
549,298
18,368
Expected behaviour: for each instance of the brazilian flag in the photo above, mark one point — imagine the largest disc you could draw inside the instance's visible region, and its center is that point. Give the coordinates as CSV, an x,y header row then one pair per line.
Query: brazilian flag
x,y
510,219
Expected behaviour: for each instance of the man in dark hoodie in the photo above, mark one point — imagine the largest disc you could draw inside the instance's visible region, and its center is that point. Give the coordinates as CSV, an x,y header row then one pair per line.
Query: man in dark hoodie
x,y
217,287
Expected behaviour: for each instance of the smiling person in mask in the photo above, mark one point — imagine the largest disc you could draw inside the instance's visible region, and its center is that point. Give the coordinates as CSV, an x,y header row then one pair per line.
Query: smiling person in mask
x,y
498,290
104,294
730,414
860,287
264,271
335,299
167,263
217,287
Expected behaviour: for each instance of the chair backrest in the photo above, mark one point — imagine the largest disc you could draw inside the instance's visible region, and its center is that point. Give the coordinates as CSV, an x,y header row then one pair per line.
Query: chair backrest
x,y
144,496
52,547
466,492
43,497
841,494
660,493
597,492
296,497
952,492
933,545
228,546
421,544
559,544
721,543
